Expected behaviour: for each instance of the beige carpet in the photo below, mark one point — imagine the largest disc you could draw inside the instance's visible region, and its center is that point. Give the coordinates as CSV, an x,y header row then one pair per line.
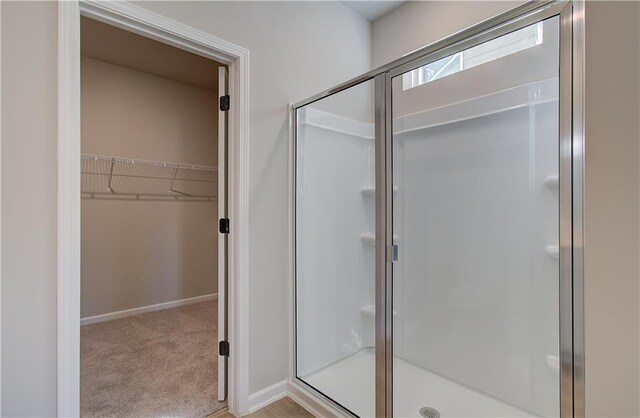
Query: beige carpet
x,y
156,364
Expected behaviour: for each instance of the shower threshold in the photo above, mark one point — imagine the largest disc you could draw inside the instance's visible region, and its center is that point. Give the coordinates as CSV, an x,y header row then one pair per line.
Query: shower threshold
x,y
351,381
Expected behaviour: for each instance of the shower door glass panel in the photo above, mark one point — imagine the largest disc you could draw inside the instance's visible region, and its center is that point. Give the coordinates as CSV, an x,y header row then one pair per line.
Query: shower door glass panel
x,y
335,247
475,148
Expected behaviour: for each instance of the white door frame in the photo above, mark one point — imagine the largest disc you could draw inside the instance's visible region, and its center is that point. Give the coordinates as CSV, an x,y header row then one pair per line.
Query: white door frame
x,y
144,22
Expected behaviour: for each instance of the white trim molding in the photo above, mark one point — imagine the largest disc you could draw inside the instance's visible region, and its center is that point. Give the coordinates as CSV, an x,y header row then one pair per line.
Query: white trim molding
x,y
304,398
133,18
146,309
268,395
68,266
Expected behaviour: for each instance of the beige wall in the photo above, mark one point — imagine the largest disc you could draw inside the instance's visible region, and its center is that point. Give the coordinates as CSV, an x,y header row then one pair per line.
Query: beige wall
x,y
135,114
29,113
611,214
415,24
294,48
612,178
139,253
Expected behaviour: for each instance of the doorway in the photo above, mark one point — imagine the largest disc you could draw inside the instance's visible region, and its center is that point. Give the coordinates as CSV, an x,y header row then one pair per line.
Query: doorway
x,y
144,22
154,250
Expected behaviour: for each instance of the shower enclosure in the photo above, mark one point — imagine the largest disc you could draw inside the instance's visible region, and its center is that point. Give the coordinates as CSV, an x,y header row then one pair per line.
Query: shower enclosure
x,y
437,228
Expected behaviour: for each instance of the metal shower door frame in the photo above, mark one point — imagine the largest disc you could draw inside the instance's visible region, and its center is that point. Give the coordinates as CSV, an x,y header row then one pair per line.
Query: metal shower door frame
x,y
571,168
384,276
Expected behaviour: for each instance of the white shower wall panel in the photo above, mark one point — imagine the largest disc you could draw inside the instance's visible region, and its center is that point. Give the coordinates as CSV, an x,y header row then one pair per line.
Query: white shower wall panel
x,y
476,287
335,268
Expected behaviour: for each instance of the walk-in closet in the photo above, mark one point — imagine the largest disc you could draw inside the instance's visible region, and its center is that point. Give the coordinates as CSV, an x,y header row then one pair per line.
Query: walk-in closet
x,y
150,186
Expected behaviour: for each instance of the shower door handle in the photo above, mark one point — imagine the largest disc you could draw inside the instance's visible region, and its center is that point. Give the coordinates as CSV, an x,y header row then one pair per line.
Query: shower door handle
x,y
392,253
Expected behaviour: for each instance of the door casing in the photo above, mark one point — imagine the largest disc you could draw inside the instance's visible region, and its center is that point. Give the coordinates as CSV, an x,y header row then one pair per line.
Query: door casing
x,y
136,19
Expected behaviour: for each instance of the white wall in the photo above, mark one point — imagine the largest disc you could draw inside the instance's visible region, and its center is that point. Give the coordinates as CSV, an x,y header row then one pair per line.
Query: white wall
x,y
297,49
612,178
29,121
138,253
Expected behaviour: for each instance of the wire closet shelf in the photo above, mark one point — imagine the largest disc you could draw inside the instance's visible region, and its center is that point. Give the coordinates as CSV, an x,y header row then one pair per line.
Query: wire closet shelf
x,y
105,177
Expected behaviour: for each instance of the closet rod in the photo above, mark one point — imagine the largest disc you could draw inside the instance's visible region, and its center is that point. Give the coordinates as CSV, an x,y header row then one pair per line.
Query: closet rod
x,y
147,197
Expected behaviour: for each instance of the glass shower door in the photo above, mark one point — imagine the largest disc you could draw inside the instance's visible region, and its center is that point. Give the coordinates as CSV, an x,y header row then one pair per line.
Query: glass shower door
x,y
475,144
335,247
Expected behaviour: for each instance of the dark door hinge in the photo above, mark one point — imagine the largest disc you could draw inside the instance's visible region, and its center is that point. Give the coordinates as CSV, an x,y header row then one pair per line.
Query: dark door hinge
x,y
224,348
225,103
224,225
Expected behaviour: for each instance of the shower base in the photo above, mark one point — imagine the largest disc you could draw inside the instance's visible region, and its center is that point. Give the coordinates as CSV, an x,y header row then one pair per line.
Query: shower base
x,y
351,381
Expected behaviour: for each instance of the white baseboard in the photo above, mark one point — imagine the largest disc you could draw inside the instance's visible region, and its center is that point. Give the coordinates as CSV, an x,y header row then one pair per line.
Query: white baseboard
x,y
144,309
304,398
268,395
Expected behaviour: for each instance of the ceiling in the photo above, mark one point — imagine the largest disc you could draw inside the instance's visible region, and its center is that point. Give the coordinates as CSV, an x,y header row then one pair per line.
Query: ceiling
x,y
118,46
372,10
